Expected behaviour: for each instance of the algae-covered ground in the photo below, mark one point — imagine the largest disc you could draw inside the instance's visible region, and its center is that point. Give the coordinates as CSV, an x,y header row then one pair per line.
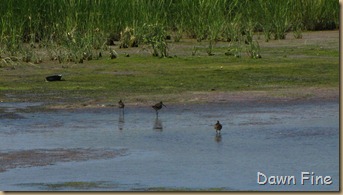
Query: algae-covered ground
x,y
290,68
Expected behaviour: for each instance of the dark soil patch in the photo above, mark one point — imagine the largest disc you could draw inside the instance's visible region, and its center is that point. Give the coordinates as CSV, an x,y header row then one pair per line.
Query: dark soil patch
x,y
11,115
43,157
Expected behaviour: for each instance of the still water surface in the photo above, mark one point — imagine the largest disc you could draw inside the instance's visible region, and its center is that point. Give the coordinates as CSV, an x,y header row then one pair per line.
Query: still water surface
x,y
179,149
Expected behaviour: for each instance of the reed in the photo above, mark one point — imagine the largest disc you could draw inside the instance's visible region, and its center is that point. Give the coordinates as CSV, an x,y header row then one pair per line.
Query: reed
x,y
155,36
78,26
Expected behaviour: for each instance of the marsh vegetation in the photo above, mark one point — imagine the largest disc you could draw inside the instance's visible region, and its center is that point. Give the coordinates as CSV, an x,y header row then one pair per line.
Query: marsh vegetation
x,y
83,29
105,49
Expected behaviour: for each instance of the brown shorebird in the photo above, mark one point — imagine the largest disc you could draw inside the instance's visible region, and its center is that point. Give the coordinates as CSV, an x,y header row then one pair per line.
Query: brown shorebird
x,y
121,104
158,106
218,127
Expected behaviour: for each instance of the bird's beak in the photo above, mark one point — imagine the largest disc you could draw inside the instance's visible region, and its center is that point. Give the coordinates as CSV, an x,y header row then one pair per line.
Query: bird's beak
x,y
164,105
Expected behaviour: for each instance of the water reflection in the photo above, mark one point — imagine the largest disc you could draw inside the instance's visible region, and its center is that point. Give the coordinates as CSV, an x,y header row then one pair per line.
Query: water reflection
x,y
218,137
121,110
158,126
121,120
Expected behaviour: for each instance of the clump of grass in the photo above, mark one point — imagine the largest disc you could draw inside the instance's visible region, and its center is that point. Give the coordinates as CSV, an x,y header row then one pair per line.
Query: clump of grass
x,y
9,62
234,49
155,36
127,38
178,34
242,40
113,54
253,50
195,50
275,18
297,31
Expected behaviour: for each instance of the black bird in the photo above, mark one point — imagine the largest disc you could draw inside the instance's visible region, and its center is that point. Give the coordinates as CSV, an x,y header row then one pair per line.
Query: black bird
x,y
158,106
218,127
121,104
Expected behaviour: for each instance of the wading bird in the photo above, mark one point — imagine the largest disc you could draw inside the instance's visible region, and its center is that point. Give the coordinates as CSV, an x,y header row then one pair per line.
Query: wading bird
x,y
158,106
121,105
218,127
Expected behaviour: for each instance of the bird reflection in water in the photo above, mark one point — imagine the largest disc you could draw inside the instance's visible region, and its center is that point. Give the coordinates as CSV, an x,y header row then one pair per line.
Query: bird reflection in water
x,y
121,120
218,138
158,126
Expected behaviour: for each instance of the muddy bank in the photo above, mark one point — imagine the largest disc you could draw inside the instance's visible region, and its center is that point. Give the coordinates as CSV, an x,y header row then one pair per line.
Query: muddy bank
x,y
9,110
43,157
308,94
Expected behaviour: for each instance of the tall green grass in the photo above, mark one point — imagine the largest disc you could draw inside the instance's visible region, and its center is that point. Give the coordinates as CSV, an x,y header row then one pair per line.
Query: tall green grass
x,y
73,29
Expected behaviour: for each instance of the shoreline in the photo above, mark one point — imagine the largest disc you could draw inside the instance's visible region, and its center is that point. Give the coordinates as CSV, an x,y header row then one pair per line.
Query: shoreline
x,y
191,98
285,95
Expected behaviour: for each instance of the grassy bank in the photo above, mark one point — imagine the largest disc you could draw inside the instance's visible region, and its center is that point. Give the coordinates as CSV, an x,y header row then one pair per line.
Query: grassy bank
x,y
141,78
72,30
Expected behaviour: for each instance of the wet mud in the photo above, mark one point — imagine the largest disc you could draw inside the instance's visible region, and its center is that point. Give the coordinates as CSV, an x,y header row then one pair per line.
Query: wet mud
x,y
43,157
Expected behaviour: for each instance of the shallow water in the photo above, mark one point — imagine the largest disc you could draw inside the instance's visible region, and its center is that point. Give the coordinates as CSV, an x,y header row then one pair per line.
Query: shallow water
x,y
180,149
